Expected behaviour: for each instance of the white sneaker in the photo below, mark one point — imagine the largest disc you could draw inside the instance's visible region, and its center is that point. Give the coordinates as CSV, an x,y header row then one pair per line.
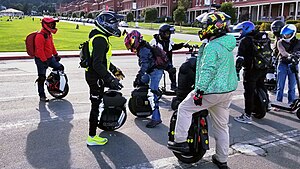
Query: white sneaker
x,y
243,119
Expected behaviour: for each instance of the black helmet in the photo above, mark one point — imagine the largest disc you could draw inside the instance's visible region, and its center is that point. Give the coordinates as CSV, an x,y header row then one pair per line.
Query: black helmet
x,y
108,22
276,27
213,24
165,31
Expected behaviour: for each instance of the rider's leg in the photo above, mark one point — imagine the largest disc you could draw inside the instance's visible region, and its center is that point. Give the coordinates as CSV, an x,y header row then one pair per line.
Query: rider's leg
x,y
41,69
220,117
172,76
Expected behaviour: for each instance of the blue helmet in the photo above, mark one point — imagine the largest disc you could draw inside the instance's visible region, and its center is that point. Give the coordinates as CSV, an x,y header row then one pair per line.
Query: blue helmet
x,y
246,27
288,32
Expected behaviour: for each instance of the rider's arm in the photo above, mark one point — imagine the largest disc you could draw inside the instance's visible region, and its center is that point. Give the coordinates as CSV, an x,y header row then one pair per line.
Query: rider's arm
x,y
39,44
99,55
281,49
144,60
207,69
54,52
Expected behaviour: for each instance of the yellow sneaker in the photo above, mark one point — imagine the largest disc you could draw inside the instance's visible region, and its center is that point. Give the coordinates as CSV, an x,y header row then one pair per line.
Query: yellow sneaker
x,y
96,141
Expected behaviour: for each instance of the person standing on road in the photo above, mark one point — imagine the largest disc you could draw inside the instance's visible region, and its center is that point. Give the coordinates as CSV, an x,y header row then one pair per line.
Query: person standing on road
x,y
98,74
164,41
45,53
147,73
287,45
216,79
253,77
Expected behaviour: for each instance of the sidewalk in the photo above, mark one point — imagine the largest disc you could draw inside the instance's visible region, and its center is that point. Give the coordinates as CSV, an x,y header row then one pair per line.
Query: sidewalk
x,y
64,54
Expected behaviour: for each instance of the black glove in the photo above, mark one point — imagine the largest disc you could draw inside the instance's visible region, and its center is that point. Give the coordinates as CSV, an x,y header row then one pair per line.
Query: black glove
x,y
119,74
57,58
198,97
137,82
239,62
113,83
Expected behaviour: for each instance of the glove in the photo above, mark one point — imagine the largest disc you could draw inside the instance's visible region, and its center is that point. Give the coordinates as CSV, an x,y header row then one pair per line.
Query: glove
x,y
239,62
113,83
57,58
119,74
198,97
137,82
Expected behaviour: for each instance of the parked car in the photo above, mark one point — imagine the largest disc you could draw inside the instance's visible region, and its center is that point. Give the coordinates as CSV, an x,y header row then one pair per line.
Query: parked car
x,y
234,33
123,24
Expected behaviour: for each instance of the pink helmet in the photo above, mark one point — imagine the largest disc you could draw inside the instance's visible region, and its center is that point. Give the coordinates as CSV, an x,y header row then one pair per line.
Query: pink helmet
x,y
133,40
49,24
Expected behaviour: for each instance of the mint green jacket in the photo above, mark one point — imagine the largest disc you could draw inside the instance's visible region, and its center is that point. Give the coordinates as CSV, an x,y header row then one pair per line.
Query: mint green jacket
x,y
215,71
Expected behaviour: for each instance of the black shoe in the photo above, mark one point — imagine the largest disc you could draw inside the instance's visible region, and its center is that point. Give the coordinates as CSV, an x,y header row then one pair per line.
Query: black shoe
x,y
44,99
219,164
179,147
153,123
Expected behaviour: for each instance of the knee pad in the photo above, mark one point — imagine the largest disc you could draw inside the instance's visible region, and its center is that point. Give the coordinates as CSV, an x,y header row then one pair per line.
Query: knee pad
x,y
41,79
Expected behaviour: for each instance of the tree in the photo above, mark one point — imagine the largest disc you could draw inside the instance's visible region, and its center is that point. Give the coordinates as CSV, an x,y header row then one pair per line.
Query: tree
x,y
185,3
228,8
151,15
90,15
129,17
179,15
81,14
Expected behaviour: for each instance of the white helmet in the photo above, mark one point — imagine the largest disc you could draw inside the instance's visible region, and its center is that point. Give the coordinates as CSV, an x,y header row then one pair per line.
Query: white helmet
x,y
288,32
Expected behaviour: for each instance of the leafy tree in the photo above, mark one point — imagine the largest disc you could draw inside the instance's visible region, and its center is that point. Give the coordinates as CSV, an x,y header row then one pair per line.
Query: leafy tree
x,y
90,15
228,8
151,15
185,3
129,17
81,14
74,15
179,15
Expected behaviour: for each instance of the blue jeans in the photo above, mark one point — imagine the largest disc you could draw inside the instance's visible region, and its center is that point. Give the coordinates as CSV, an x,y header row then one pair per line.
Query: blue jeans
x,y
42,68
283,71
155,77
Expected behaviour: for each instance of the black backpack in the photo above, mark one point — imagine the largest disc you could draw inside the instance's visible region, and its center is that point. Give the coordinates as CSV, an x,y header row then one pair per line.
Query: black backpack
x,y
160,57
262,51
84,55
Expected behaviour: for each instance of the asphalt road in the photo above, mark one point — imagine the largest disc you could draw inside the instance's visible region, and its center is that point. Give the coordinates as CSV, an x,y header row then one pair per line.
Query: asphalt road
x,y
52,135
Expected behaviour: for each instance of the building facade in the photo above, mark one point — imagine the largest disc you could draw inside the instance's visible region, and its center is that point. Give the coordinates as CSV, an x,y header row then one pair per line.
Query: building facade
x,y
254,10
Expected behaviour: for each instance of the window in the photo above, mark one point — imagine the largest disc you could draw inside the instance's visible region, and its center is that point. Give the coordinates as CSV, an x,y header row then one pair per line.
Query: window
x,y
292,8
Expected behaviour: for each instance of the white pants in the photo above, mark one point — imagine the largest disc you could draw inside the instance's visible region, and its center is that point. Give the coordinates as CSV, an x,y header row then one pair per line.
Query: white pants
x,y
218,107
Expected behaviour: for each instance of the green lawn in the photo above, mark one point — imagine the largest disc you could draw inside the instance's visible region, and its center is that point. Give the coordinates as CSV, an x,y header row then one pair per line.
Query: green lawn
x,y
185,30
13,34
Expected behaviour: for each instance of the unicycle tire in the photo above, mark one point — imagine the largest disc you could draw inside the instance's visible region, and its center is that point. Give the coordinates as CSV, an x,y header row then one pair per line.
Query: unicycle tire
x,y
189,157
298,113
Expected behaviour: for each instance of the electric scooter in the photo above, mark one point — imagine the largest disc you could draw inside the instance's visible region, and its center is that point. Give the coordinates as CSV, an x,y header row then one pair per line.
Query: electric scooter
x,y
294,60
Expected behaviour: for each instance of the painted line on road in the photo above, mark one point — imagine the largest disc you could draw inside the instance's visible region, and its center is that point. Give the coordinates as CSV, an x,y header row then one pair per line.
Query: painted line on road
x,y
239,148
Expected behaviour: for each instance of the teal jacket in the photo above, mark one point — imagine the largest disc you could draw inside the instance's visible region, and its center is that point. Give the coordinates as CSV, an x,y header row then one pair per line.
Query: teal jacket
x,y
215,71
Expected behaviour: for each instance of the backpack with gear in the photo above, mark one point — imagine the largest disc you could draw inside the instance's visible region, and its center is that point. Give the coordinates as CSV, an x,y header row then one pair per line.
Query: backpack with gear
x,y
160,57
112,111
30,43
84,55
262,51
139,103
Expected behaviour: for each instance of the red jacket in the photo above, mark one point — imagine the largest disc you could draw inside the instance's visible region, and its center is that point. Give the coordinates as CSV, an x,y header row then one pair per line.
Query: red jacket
x,y
44,47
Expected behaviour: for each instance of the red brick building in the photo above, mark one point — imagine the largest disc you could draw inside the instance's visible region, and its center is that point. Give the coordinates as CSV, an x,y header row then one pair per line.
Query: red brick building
x,y
253,10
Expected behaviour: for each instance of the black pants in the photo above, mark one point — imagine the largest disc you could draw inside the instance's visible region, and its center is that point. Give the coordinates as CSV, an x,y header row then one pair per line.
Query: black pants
x,y
96,94
252,79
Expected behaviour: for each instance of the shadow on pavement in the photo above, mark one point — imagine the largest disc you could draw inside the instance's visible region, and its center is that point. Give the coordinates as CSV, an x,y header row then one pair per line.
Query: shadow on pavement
x,y
48,146
120,151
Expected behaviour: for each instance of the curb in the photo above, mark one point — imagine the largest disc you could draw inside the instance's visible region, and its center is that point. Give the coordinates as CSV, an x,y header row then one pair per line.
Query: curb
x,y
74,55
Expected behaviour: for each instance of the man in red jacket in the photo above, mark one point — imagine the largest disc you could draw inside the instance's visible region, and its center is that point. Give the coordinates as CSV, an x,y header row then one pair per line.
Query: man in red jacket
x,y
45,53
